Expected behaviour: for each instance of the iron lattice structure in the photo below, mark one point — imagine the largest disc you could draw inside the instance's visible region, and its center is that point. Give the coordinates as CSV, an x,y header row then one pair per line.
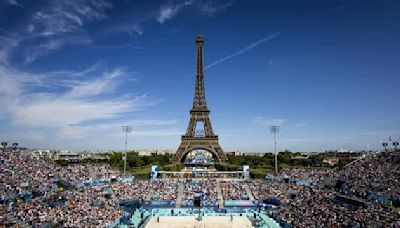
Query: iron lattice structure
x,y
203,138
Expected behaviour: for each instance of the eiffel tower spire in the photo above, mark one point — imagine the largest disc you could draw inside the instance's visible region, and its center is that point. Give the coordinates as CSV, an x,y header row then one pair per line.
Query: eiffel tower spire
x,y
203,138
199,101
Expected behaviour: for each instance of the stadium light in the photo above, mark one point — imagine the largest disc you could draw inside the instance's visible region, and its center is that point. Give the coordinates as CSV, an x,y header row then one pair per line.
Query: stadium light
x,y
395,144
385,146
126,130
14,146
4,144
275,129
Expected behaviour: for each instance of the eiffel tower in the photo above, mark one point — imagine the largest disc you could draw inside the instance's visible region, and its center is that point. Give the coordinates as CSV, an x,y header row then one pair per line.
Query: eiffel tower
x,y
199,133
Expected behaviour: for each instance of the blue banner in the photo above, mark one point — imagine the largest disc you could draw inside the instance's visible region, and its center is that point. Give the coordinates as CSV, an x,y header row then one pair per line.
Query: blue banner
x,y
159,203
239,203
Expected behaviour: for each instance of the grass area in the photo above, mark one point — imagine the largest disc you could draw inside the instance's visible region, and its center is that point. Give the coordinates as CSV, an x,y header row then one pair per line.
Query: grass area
x,y
143,172
227,167
140,166
259,173
172,167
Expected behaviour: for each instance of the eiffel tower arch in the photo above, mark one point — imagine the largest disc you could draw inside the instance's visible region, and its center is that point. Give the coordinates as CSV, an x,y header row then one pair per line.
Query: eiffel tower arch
x,y
199,133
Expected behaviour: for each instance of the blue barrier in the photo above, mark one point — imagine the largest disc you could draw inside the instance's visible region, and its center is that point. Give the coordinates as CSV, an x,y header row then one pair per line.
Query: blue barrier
x,y
379,198
239,203
301,182
159,203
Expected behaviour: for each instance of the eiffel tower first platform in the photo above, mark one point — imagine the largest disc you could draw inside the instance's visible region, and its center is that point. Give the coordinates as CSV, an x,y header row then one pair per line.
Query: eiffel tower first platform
x,y
199,133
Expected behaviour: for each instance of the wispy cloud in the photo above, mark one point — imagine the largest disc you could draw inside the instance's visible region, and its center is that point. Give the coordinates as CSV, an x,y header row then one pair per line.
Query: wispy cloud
x,y
56,24
132,46
169,11
8,41
134,30
47,47
15,3
67,16
72,106
75,103
105,84
113,128
245,49
212,7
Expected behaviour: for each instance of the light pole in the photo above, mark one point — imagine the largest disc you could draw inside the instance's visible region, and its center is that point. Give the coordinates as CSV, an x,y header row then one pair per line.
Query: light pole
x,y
385,146
4,144
275,129
395,144
14,146
126,130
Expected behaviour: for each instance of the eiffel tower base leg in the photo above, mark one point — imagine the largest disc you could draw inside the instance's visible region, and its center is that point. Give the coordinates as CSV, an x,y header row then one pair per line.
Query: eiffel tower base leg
x,y
210,144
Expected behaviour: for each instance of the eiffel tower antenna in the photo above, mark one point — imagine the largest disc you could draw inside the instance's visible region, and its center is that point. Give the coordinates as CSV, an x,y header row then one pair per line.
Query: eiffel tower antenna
x,y
199,133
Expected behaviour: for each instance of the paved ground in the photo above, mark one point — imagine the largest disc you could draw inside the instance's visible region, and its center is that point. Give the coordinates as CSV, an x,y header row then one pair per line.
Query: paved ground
x,y
180,195
191,222
248,191
220,197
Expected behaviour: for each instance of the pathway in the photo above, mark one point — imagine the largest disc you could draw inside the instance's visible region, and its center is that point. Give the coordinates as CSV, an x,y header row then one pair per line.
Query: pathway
x,y
180,195
248,191
220,197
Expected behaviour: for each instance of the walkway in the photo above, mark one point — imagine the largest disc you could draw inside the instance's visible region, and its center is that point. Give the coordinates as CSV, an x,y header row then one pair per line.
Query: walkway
x,y
149,195
220,197
248,191
269,221
181,188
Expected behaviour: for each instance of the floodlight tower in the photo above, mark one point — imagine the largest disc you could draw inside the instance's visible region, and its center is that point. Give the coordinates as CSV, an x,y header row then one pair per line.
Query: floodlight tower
x,y
4,144
126,130
385,145
395,144
14,146
275,129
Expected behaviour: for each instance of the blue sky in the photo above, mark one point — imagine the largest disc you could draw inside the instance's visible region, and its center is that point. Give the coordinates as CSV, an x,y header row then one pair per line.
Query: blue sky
x,y
73,72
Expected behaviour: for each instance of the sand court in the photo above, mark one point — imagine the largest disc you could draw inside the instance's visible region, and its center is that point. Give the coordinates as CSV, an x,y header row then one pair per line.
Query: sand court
x,y
192,222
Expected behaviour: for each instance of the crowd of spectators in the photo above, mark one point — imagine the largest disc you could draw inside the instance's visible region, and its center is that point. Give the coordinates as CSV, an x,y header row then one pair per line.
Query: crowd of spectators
x,y
312,197
206,188
86,208
317,207
128,191
233,190
262,190
37,192
315,176
82,172
375,175
163,189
